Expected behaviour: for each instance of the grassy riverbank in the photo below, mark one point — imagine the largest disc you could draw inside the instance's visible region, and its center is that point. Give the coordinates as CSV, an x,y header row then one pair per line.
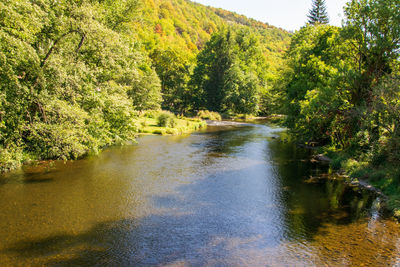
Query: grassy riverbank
x,y
166,123
384,176
147,122
359,166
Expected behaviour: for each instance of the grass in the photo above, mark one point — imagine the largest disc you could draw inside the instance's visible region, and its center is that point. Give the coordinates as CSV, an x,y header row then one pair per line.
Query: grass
x,y
209,115
385,176
149,122
165,123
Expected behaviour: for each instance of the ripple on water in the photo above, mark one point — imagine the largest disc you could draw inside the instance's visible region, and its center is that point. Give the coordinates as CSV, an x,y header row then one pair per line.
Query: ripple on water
x,y
232,196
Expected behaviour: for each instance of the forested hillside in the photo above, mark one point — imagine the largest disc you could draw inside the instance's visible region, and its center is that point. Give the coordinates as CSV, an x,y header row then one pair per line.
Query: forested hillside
x,y
75,75
174,31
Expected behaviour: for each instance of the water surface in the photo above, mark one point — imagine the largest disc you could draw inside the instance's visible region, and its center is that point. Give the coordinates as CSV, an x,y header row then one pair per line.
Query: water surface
x,y
231,196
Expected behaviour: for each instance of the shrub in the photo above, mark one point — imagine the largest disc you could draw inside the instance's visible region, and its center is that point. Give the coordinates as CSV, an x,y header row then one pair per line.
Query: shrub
x,y
173,122
152,114
209,115
164,119
10,159
57,141
159,131
172,131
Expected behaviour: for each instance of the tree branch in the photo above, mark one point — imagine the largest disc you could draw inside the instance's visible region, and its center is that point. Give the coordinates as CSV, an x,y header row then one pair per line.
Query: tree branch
x,y
80,43
54,45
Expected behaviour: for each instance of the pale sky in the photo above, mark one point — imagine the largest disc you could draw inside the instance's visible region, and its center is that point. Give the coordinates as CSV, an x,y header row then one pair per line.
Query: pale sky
x,y
286,14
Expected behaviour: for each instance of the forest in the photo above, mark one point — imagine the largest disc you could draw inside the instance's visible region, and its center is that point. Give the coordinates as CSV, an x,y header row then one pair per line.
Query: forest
x,y
76,76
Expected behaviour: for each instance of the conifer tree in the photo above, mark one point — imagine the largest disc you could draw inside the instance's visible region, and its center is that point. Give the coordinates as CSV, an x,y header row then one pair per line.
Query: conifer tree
x,y
318,14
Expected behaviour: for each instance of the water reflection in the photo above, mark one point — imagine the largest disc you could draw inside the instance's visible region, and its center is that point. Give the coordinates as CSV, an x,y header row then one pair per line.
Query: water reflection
x,y
227,197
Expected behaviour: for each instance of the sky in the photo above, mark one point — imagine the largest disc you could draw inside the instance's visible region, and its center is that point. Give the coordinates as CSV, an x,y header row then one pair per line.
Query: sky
x,y
286,14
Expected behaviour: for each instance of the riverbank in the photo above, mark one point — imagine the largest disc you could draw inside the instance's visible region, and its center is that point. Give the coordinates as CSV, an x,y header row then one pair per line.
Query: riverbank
x,y
166,123
147,122
273,119
381,180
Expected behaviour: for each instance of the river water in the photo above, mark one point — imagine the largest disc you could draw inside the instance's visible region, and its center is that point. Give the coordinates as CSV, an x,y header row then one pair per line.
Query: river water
x,y
229,196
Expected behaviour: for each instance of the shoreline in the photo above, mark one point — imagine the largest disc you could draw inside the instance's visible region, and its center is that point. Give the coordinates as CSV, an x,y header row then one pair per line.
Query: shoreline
x,y
357,182
146,126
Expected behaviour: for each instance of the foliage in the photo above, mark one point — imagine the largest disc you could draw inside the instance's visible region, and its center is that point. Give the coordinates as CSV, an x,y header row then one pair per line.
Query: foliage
x,y
229,73
314,105
373,28
173,67
329,85
65,89
342,90
318,14
173,33
209,115
383,118
166,119
76,75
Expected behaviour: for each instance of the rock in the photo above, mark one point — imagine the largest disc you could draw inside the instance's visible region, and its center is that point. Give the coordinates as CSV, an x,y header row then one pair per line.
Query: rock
x,y
322,158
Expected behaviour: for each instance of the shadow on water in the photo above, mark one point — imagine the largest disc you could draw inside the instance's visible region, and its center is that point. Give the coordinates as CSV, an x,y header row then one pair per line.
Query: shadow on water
x,y
254,207
202,224
216,227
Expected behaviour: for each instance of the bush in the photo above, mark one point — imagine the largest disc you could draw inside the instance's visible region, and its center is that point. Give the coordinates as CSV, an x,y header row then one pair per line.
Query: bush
x,y
336,163
152,114
209,115
173,122
172,131
159,131
165,118
10,159
57,141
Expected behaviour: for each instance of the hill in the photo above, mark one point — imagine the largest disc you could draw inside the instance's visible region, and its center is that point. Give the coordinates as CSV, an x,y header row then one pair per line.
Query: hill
x,y
187,25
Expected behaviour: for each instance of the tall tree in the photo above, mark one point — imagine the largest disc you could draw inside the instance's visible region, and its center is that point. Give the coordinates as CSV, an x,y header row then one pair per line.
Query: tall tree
x,y
173,68
318,14
229,75
373,28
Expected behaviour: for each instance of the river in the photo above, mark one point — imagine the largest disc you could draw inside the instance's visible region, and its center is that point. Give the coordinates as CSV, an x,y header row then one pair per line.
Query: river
x,y
228,196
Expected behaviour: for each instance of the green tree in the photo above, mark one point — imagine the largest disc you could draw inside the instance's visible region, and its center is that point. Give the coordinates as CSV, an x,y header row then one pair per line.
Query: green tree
x,y
67,71
213,62
373,27
386,107
316,93
173,67
317,13
74,74
333,72
229,73
146,92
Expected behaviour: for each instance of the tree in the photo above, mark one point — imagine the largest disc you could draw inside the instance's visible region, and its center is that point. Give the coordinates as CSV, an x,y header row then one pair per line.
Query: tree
x,y
213,63
332,88
316,88
318,14
373,28
229,74
146,92
71,78
173,67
